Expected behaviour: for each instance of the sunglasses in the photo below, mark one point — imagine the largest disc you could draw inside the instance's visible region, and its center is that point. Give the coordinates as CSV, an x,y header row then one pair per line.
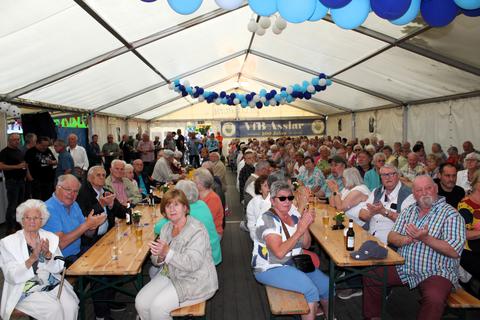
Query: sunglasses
x,y
283,198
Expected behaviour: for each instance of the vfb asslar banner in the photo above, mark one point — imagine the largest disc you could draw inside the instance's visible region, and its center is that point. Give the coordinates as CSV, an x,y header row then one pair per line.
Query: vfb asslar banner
x,y
268,128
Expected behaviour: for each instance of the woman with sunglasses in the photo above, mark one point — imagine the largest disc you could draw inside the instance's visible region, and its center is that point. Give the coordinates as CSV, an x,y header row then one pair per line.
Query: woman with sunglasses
x,y
279,235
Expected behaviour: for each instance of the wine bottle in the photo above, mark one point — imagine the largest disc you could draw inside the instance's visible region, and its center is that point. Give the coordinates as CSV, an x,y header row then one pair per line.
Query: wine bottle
x,y
128,214
350,236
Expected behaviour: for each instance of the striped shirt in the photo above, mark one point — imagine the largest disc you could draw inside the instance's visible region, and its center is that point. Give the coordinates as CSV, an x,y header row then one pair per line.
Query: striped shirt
x,y
422,261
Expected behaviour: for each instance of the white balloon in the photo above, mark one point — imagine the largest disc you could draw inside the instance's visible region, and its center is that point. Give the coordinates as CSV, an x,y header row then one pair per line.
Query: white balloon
x,y
194,90
252,26
186,83
265,22
236,101
263,99
171,85
289,90
218,101
251,104
322,82
273,102
256,98
260,32
276,30
311,89
281,23
201,98
229,4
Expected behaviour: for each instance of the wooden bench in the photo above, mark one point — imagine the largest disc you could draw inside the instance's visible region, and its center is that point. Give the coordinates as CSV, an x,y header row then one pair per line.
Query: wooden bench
x,y
461,301
196,310
284,302
17,314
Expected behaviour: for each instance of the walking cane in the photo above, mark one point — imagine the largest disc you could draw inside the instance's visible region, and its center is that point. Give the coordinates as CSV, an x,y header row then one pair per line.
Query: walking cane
x,y
63,275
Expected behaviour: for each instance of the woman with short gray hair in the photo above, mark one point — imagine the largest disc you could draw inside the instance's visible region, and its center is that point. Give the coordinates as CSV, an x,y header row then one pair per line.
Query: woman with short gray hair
x,y
204,181
32,275
200,211
352,196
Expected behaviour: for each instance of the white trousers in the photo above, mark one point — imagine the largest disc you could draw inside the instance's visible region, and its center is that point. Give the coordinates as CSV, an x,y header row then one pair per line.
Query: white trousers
x,y
45,305
158,298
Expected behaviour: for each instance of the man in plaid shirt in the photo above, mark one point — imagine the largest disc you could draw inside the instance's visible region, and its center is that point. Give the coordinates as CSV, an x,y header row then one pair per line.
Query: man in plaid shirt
x,y
430,235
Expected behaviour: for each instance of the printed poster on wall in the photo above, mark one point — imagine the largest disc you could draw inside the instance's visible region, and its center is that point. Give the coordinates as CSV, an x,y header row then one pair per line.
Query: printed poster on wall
x,y
268,128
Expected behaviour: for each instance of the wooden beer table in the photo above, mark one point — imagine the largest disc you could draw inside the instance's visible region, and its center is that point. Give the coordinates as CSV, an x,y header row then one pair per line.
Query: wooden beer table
x,y
132,250
333,243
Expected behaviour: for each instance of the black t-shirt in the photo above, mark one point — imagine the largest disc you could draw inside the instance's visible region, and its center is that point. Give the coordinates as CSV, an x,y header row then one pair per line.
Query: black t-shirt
x,y
38,164
453,197
11,157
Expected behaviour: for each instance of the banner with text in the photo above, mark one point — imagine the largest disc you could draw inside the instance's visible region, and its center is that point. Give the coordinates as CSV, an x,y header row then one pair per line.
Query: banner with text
x,y
267,128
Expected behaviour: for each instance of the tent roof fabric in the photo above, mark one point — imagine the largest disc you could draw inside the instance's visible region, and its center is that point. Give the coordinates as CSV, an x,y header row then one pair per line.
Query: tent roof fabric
x,y
117,57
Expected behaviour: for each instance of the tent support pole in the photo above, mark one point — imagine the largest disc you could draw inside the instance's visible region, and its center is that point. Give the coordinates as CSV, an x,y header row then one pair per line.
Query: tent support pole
x,y
405,123
354,125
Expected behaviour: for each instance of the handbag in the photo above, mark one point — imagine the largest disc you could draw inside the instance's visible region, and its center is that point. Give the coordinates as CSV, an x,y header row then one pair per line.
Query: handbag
x,y
302,262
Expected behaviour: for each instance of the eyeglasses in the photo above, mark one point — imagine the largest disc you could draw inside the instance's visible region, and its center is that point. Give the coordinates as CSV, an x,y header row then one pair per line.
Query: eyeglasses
x,y
68,190
388,175
283,198
32,218
381,160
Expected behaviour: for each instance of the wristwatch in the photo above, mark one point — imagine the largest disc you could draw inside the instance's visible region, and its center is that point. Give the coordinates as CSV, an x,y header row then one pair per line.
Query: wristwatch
x,y
387,213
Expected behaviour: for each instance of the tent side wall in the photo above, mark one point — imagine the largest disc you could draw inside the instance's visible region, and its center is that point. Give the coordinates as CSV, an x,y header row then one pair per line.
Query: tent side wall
x,y
449,123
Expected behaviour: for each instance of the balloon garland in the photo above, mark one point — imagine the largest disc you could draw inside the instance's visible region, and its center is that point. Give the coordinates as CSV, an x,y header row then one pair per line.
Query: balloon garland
x,y
261,99
10,109
347,14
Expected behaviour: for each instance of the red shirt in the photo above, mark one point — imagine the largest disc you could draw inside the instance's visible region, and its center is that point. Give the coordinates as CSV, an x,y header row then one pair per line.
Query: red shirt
x,y
215,205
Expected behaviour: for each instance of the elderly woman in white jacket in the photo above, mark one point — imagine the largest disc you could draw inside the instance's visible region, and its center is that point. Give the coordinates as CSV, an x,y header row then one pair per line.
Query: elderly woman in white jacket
x,y
32,276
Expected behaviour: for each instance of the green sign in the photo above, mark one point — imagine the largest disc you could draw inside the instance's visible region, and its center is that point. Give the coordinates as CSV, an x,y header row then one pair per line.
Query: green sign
x,y
71,122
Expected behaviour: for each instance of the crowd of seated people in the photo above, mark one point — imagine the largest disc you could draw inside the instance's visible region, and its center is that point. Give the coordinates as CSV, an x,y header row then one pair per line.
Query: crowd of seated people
x,y
82,202
403,196
406,197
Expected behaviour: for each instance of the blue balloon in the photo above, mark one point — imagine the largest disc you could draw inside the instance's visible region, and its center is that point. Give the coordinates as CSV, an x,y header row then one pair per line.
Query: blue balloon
x,y
149,0
289,98
307,95
296,11
352,15
468,4
329,82
411,14
319,13
267,103
315,81
390,9
438,13
335,4
263,92
185,6
471,13
322,76
263,7
297,87
259,105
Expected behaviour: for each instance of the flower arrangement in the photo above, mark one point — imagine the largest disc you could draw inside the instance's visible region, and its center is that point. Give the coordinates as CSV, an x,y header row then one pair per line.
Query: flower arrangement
x,y
339,217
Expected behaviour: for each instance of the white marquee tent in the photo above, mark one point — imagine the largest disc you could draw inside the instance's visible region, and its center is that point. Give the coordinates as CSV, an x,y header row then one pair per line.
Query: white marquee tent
x,y
116,58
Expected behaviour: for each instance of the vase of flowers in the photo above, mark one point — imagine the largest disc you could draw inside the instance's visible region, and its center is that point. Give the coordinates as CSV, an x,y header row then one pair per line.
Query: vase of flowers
x,y
339,218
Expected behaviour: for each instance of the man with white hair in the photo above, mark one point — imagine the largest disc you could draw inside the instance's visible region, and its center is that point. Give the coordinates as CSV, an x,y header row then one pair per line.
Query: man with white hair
x,y
385,203
430,235
162,171
79,155
66,218
471,164
124,189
